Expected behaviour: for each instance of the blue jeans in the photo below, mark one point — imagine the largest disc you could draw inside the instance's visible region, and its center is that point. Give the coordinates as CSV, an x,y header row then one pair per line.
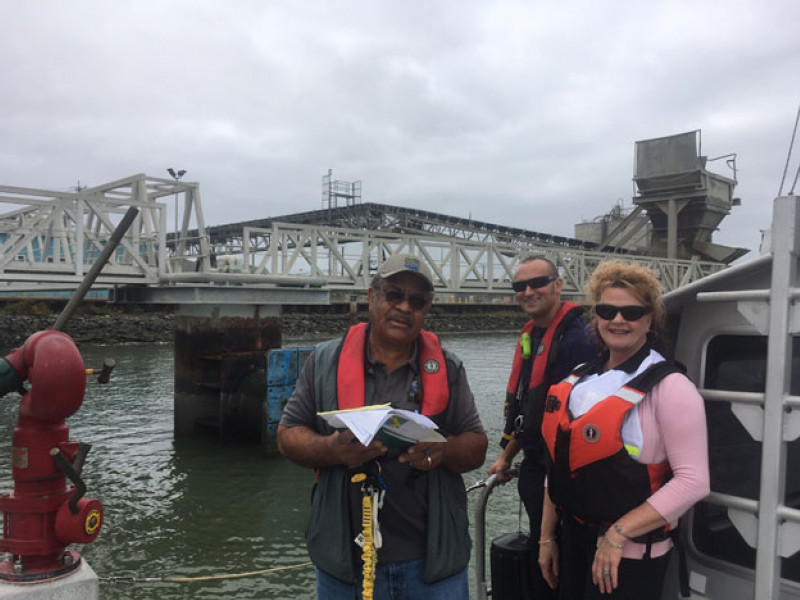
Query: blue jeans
x,y
396,581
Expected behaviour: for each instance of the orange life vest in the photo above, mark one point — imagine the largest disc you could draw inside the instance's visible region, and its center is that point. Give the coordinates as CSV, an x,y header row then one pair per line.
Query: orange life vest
x,y
591,474
350,387
531,400
539,367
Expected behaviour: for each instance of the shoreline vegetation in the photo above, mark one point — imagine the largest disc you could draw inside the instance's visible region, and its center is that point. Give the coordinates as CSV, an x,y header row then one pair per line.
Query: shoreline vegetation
x,y
100,323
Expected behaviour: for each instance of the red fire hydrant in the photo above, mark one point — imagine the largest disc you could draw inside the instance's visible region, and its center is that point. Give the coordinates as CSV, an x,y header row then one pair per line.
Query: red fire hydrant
x,y
44,513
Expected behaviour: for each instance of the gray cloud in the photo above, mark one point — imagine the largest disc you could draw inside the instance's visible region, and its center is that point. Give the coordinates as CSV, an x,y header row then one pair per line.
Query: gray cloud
x,y
519,113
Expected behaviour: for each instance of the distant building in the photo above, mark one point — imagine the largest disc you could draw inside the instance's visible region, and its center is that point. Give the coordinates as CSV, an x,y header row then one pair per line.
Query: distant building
x,y
636,232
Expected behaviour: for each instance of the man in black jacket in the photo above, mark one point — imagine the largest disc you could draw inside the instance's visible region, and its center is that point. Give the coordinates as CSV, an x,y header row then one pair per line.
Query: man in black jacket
x,y
551,344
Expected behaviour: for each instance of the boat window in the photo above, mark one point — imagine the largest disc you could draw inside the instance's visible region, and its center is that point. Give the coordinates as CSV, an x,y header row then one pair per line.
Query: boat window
x,y
738,363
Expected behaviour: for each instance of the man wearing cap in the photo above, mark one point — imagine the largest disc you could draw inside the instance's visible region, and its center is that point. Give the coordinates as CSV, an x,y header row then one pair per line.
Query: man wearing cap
x,y
551,344
424,544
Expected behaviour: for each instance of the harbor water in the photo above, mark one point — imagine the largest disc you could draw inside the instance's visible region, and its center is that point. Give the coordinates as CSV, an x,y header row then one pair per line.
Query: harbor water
x,y
195,508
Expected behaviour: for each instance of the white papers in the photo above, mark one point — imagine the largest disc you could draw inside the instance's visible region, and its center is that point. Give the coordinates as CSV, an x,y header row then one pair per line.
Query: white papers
x,y
392,426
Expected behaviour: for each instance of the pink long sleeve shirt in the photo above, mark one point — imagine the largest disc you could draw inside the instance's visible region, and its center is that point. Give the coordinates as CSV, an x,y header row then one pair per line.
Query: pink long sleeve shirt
x,y
673,424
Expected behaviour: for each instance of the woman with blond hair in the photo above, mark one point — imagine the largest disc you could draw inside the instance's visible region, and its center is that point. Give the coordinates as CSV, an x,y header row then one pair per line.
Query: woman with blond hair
x,y
627,444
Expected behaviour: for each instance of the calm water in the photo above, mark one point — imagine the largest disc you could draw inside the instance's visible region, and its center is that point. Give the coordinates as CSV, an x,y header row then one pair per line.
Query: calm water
x,y
196,508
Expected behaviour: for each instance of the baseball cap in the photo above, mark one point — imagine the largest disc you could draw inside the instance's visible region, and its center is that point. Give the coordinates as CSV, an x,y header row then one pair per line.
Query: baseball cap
x,y
400,263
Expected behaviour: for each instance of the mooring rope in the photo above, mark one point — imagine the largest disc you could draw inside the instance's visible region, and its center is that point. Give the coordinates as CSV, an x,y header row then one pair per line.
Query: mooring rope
x,y
136,579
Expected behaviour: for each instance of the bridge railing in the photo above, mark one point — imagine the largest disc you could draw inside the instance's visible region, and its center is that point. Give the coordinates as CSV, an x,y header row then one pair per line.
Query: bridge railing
x,y
51,238
348,258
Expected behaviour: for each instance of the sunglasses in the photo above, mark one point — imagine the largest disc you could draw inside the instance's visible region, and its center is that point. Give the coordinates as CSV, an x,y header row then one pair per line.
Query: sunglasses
x,y
395,297
607,312
534,284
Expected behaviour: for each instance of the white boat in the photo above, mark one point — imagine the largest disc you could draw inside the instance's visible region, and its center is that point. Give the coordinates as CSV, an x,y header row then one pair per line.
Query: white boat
x,y
738,332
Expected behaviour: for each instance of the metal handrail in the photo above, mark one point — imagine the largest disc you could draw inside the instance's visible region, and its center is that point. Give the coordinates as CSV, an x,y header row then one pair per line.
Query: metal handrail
x,y
483,590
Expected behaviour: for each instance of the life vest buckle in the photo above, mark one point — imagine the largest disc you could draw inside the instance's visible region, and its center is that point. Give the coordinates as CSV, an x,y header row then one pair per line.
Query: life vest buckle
x,y
552,404
518,424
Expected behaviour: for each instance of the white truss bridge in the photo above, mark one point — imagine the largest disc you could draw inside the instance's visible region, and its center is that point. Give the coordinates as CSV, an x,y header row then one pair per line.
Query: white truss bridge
x,y
49,240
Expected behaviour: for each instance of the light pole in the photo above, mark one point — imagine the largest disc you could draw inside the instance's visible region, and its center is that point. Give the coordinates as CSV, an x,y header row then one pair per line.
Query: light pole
x,y
177,177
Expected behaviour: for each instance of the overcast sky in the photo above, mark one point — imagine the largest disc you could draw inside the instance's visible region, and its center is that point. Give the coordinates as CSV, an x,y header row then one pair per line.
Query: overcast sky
x,y
518,113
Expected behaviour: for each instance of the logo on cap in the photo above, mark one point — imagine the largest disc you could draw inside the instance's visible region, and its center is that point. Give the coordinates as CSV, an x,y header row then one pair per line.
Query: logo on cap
x,y
412,262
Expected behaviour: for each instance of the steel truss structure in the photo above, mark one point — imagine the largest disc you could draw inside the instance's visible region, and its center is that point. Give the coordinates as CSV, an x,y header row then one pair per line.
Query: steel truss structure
x,y
347,258
49,239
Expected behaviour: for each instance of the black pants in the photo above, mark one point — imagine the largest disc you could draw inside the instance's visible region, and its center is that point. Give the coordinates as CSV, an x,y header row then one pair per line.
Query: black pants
x,y
531,490
638,579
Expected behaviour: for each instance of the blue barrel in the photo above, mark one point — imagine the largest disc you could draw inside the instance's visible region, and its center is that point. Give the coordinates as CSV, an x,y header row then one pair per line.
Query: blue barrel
x,y
283,367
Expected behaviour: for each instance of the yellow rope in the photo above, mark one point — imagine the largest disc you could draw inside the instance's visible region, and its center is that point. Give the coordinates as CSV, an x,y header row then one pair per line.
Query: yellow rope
x,y
368,555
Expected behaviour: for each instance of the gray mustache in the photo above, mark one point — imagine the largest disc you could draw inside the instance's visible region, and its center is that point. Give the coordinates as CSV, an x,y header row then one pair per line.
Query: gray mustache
x,y
398,316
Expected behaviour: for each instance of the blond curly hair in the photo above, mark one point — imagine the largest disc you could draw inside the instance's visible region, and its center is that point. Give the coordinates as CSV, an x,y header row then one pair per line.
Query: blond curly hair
x,y
639,280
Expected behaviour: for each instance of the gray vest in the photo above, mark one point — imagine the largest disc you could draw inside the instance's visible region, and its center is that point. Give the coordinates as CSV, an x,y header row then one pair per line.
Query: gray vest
x,y
328,533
